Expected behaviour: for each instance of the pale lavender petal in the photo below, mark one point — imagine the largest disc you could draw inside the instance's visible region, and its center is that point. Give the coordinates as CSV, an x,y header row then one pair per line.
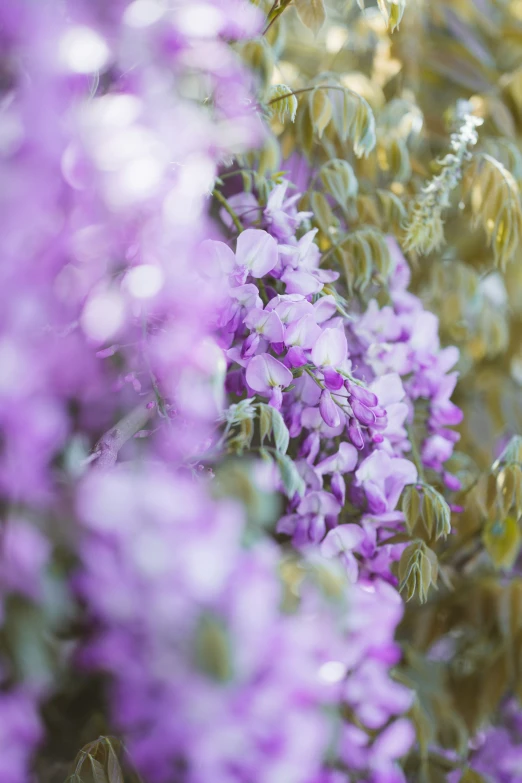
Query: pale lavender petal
x,y
257,251
215,258
298,282
331,348
342,538
329,410
302,333
264,373
325,308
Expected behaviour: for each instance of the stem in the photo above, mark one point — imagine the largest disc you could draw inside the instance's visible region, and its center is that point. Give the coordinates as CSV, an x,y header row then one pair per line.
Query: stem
x,y
223,201
276,14
310,89
310,373
415,454
107,448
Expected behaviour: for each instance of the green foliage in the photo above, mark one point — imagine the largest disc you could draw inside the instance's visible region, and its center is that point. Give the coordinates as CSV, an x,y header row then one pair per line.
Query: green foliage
x,y
283,102
312,13
103,761
425,510
418,571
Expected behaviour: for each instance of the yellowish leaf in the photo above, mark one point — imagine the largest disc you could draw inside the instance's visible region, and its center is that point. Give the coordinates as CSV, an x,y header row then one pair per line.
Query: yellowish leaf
x,y
311,13
502,540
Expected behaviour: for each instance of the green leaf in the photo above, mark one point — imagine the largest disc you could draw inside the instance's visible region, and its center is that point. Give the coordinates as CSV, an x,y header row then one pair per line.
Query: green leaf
x,y
271,422
418,570
354,119
258,56
311,13
113,766
98,772
502,540
393,11
265,421
247,432
339,180
320,110
323,215
411,506
292,481
282,102
512,452
440,511
281,434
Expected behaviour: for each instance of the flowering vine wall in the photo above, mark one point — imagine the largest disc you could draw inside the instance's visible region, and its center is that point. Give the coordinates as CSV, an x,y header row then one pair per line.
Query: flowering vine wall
x,y
238,540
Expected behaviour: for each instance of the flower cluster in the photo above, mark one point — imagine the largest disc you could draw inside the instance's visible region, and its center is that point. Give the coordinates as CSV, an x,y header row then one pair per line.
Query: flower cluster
x,y
338,382
203,663
354,380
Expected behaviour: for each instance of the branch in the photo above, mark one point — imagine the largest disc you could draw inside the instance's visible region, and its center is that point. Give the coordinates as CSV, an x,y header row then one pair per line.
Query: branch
x,y
235,217
310,89
106,450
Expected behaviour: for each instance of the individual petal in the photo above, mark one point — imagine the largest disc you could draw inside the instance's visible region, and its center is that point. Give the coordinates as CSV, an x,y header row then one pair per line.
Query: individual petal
x,y
333,380
375,494
330,349
250,346
355,434
451,481
327,275
276,398
290,307
325,308
257,251
435,451
321,502
343,538
266,323
299,282
362,394
302,333
447,358
247,296
215,258
343,462
264,373
395,741
338,487
296,357
364,415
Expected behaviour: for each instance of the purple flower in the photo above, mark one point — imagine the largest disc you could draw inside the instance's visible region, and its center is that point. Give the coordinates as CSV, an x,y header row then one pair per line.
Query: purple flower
x,y
330,349
256,253
383,478
268,376
329,410
341,542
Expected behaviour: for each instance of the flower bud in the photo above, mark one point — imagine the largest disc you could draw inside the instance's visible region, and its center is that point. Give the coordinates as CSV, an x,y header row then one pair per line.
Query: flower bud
x,y
362,394
329,410
355,434
332,379
362,413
